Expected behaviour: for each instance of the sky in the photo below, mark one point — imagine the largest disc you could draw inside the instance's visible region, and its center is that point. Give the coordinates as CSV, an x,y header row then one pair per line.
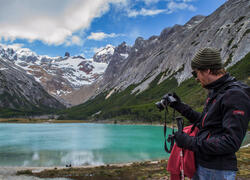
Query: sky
x,y
82,27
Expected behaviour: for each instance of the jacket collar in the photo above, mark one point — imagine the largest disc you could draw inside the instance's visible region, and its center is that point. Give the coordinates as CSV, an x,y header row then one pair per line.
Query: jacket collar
x,y
215,85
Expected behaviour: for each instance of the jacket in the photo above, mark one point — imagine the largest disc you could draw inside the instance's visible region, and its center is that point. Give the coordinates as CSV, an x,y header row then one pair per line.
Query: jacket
x,y
222,124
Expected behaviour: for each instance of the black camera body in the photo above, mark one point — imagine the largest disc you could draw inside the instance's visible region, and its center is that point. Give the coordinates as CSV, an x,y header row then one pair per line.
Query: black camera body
x,y
165,101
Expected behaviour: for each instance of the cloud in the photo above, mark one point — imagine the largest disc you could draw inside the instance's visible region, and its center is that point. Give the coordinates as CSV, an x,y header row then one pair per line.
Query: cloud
x,y
188,0
101,35
148,2
145,12
12,46
73,40
53,22
173,6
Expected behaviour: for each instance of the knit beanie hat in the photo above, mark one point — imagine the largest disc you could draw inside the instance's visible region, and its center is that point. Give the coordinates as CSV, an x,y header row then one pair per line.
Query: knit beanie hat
x,y
207,58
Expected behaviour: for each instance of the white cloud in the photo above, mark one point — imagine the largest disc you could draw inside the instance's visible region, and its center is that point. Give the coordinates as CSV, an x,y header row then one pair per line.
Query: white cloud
x,y
148,2
145,12
52,22
173,6
73,40
101,35
188,0
12,46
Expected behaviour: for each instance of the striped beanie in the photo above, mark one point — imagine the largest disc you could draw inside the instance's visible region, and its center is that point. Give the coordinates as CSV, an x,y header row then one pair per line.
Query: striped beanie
x,y
207,58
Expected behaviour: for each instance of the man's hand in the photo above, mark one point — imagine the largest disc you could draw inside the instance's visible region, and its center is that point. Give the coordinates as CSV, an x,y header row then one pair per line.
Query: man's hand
x,y
178,100
183,140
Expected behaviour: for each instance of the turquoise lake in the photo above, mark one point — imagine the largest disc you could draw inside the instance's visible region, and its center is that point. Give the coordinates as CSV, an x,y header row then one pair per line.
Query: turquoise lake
x,y
79,144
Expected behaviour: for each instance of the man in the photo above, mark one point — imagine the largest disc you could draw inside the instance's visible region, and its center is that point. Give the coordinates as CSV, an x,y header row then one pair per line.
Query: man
x,y
223,122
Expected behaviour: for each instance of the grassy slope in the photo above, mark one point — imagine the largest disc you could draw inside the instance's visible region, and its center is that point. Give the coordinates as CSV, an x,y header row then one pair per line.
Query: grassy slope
x,y
126,106
25,112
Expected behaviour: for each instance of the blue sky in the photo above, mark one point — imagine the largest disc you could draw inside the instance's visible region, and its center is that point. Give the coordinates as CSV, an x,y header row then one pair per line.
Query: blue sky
x,y
52,27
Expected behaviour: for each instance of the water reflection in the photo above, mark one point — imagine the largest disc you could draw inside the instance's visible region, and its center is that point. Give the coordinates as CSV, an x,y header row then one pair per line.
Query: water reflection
x,y
78,144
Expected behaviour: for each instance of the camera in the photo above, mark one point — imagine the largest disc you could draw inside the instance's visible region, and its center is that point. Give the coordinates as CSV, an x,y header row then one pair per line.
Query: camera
x,y
165,101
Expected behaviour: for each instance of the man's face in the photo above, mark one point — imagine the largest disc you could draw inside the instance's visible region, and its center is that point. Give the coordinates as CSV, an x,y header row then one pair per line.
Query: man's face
x,y
201,76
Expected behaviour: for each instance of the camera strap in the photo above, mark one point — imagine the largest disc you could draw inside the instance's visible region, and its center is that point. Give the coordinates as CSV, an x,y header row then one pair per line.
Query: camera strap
x,y
170,136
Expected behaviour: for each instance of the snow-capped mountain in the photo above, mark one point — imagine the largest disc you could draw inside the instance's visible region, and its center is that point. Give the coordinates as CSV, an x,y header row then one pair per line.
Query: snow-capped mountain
x,y
115,56
58,75
105,54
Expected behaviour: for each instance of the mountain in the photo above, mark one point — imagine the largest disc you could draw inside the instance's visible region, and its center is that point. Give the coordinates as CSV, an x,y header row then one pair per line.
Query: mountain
x,y
58,75
20,91
104,54
227,29
133,83
114,56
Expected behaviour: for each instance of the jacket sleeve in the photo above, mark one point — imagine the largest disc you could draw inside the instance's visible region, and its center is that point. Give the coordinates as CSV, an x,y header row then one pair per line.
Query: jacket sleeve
x,y
188,112
236,114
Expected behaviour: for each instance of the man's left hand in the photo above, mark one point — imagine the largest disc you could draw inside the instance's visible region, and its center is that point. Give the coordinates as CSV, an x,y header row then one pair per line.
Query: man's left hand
x,y
183,140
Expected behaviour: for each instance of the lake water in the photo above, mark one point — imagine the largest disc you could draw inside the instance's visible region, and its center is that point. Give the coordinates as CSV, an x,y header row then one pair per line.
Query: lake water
x,y
79,144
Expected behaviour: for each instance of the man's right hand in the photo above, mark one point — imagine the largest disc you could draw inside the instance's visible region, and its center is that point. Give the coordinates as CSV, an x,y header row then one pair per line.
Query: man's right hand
x,y
178,101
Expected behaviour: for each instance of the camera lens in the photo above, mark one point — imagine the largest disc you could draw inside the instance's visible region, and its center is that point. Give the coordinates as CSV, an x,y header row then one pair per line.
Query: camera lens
x,y
160,105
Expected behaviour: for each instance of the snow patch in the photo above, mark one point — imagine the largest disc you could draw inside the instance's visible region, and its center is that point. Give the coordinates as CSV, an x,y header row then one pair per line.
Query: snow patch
x,y
3,69
124,55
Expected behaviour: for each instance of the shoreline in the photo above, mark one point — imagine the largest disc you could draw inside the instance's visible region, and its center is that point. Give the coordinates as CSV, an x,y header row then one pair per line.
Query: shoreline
x,y
132,170
52,121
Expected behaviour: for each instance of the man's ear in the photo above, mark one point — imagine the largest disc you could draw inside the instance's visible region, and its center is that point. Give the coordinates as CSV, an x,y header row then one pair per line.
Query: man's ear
x,y
205,71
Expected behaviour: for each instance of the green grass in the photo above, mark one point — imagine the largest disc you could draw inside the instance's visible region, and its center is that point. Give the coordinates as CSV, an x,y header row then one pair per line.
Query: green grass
x,y
241,70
